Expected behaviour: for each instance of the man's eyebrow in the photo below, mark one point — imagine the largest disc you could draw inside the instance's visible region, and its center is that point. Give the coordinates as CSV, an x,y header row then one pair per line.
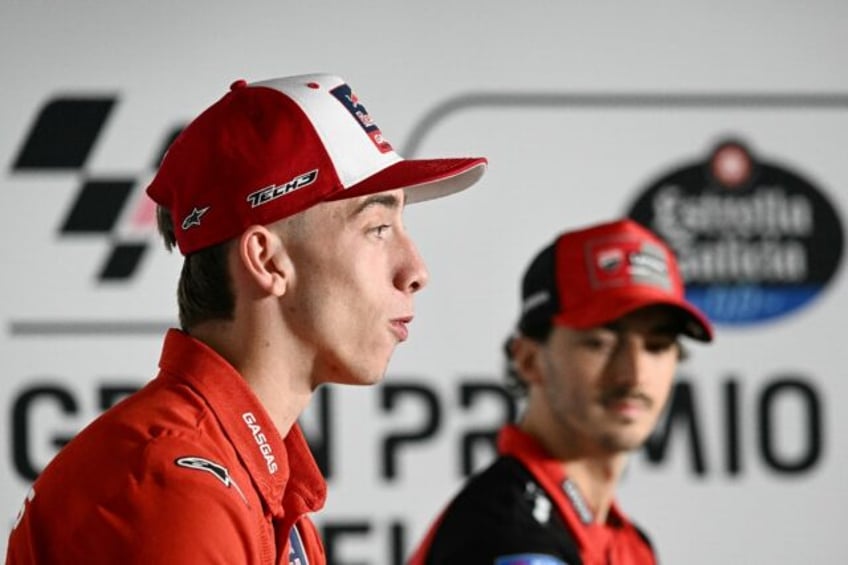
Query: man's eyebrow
x,y
387,200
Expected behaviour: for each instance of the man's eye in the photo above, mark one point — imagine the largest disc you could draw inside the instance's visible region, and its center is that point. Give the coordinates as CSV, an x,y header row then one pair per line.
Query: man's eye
x,y
380,230
598,343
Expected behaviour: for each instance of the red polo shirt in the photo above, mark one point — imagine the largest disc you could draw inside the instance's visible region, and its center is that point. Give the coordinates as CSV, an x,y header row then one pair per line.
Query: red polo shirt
x,y
190,469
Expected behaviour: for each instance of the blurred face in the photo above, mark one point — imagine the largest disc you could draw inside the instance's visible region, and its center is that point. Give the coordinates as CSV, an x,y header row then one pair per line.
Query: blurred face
x,y
600,391
356,271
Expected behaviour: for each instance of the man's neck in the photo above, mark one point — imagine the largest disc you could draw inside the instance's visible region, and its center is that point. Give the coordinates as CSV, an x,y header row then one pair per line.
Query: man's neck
x,y
282,388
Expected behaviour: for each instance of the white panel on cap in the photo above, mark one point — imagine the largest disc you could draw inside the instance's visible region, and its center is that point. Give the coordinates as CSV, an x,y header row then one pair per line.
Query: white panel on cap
x,y
353,153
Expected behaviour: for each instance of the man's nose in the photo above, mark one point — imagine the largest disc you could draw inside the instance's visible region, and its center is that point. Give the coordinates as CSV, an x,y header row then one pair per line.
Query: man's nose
x,y
412,274
627,362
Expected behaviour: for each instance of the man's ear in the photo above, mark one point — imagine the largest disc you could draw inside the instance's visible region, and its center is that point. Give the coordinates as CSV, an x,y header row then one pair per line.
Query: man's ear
x,y
264,260
527,359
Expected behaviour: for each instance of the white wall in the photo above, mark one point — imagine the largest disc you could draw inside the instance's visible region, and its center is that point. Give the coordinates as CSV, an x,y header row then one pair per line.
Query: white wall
x,y
552,166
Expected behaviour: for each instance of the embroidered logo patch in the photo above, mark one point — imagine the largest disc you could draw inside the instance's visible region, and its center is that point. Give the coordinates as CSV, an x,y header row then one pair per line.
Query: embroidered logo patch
x,y
261,441
351,102
218,471
274,191
577,501
541,503
628,262
193,218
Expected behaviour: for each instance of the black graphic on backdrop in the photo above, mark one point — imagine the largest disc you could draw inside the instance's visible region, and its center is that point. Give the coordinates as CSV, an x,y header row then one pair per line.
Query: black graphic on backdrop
x,y
62,138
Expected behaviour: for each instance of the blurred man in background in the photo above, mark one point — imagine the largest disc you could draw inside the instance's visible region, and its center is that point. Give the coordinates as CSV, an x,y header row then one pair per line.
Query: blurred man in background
x,y
595,351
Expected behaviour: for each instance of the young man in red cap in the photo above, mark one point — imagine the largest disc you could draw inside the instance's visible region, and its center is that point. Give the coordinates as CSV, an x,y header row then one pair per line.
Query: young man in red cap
x,y
596,351
287,203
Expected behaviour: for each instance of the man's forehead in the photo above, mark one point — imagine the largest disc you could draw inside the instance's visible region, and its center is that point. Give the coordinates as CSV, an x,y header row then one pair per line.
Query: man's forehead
x,y
349,208
388,199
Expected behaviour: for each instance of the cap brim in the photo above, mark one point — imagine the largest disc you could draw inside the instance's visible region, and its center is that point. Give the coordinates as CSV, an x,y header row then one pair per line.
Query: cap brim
x,y
696,325
421,179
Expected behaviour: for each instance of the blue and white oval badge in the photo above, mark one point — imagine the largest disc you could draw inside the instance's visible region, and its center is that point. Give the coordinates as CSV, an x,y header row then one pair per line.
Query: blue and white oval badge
x,y
755,241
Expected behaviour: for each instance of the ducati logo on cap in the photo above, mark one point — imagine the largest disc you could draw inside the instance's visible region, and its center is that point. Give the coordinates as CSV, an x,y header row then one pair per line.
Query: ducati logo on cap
x,y
351,102
610,259
193,219
631,262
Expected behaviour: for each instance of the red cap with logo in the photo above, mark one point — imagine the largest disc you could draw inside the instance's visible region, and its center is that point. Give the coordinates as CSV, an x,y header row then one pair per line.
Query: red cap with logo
x,y
271,149
590,277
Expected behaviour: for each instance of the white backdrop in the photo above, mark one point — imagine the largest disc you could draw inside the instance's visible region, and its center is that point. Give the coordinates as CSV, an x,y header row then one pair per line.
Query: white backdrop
x,y
76,333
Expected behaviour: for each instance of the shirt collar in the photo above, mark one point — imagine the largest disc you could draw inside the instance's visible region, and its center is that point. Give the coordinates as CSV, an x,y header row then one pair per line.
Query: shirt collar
x,y
549,471
283,469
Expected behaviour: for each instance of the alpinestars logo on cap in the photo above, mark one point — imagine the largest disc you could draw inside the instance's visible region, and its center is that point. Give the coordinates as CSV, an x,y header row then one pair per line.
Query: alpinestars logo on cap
x,y
193,219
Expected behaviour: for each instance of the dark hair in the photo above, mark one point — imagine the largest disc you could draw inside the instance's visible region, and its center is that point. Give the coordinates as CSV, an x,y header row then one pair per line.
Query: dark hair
x,y
204,291
538,331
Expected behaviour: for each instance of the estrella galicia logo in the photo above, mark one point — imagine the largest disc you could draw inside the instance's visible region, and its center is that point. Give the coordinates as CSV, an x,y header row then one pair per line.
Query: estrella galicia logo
x,y
350,101
61,139
755,240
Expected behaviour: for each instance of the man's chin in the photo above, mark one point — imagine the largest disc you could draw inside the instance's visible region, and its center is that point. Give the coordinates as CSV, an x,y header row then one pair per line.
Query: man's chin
x,y
356,374
616,443
371,380
363,377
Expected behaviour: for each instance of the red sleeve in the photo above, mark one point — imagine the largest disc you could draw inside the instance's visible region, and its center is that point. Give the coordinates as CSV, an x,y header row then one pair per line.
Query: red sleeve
x,y
189,513
160,513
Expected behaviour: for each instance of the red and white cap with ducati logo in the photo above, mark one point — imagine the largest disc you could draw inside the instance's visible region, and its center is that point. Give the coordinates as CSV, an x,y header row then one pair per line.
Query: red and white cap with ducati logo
x,y
591,276
271,149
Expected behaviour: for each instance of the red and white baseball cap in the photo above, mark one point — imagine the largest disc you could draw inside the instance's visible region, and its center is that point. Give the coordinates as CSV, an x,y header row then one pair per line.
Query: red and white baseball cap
x,y
590,277
271,149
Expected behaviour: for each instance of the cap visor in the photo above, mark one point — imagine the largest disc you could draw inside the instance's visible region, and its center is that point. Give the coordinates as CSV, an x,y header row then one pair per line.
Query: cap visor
x,y
421,179
607,309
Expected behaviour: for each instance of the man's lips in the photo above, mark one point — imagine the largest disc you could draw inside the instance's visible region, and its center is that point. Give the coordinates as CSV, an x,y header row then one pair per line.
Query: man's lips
x,y
400,327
